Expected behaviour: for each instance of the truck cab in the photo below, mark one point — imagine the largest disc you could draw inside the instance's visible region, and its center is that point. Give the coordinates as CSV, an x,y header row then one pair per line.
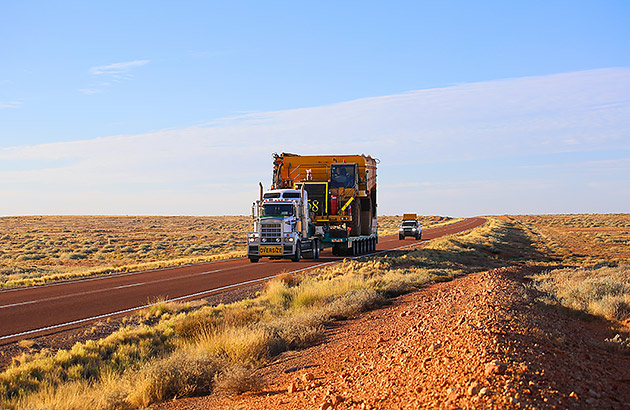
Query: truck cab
x,y
410,226
281,226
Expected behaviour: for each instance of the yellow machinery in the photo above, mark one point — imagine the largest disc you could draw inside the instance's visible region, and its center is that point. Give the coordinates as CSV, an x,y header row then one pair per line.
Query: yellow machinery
x,y
341,189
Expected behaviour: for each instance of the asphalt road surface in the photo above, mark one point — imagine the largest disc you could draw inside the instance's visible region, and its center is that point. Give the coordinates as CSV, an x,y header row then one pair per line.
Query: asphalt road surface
x,y
35,311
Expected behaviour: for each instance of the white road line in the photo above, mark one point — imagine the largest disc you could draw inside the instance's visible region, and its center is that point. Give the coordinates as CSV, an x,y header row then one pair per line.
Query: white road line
x,y
129,286
118,287
88,319
116,275
18,304
211,271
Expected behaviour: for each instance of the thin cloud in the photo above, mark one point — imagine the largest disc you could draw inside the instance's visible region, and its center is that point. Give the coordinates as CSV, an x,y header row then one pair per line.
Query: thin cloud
x,y
89,91
10,104
111,74
117,68
435,146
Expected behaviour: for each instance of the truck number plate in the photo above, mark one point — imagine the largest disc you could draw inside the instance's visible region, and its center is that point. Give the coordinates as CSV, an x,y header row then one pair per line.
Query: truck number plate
x,y
271,250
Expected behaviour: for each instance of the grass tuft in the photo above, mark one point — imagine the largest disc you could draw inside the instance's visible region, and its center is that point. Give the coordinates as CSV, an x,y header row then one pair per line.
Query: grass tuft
x,y
602,291
236,379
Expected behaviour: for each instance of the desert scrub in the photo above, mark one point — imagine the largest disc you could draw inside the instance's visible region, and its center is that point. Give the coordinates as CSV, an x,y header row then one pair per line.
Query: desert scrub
x,y
580,240
602,291
41,249
189,351
40,276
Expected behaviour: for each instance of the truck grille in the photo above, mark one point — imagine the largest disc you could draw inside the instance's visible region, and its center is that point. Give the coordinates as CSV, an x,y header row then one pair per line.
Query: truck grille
x,y
271,230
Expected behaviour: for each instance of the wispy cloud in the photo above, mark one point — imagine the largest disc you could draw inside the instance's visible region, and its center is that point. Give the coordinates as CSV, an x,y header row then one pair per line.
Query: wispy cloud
x,y
112,73
448,151
10,104
90,91
117,68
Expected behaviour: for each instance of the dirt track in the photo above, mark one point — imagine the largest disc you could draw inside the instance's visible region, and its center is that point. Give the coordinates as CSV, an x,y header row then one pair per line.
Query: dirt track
x,y
480,341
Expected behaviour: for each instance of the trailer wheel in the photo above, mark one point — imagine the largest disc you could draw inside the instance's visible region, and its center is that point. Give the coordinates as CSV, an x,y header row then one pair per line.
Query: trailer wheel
x,y
298,252
316,249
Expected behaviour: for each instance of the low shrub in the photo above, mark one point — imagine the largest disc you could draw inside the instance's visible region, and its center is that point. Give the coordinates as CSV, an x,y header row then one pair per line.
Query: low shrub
x,y
193,351
602,291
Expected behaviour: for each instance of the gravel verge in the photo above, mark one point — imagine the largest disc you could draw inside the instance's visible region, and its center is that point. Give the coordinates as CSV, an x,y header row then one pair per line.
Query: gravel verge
x,y
480,341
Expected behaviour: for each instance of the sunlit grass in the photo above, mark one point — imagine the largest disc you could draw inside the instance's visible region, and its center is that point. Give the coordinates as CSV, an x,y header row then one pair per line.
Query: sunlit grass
x,y
195,349
40,249
602,291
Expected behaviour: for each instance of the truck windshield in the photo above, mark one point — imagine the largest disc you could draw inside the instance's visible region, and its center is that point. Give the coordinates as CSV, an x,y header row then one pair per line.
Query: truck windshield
x,y
409,223
278,210
342,175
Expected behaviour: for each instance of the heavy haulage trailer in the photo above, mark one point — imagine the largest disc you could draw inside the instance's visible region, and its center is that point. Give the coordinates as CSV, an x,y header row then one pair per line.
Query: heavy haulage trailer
x,y
316,202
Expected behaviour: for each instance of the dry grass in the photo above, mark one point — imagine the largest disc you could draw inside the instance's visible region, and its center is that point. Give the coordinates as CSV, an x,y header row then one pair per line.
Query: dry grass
x,y
197,349
40,249
581,240
602,291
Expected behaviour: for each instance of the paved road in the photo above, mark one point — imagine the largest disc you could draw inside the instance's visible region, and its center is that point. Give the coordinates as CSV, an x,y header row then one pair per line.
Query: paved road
x,y
34,311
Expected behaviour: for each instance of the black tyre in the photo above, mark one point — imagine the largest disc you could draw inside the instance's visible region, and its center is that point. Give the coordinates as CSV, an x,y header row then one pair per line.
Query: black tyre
x,y
298,253
401,237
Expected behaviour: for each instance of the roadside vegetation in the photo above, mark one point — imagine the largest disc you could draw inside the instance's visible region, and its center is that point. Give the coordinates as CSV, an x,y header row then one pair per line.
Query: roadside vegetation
x,y
41,249
186,349
192,349
579,240
600,290
35,250
593,252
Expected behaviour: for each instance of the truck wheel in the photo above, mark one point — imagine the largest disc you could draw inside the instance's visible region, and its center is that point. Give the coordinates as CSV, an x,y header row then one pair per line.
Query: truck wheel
x,y
298,253
418,236
315,249
401,237
254,260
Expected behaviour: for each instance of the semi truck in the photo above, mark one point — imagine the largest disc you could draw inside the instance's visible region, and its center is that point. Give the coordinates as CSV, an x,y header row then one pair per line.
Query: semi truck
x,y
315,202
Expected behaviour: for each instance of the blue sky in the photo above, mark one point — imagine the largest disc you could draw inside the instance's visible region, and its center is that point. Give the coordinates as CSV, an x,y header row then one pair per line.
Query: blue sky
x,y
472,107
